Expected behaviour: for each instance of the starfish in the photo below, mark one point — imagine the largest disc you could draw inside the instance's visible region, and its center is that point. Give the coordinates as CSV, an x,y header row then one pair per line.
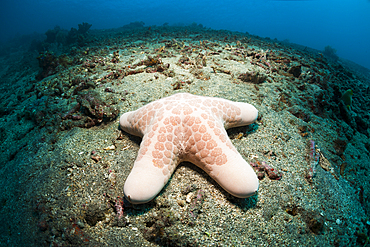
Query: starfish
x,y
186,127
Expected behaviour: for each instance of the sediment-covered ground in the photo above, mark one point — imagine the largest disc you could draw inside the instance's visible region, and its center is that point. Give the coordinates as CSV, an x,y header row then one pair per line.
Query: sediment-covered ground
x,y
64,159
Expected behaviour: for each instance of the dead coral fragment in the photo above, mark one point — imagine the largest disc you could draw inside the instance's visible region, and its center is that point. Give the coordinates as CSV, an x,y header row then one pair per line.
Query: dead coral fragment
x,y
324,163
115,58
89,110
152,61
95,107
259,169
253,77
179,84
313,160
271,172
221,70
195,207
342,168
159,227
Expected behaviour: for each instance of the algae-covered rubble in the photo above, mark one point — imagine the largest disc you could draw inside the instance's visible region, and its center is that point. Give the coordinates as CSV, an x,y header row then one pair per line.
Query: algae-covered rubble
x,y
64,159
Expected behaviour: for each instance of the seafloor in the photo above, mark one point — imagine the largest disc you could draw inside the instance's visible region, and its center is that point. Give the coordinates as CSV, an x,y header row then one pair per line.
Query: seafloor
x,y
64,160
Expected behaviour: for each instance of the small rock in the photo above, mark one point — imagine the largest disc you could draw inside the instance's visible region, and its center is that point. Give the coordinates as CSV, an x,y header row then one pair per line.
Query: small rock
x,y
189,197
96,158
181,203
295,71
111,147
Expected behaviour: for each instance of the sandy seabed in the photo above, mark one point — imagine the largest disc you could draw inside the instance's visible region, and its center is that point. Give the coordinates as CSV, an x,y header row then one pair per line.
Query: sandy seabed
x,y
64,159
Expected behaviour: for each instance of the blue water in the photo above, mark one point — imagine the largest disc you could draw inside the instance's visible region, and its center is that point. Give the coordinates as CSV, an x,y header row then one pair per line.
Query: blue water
x,y
342,24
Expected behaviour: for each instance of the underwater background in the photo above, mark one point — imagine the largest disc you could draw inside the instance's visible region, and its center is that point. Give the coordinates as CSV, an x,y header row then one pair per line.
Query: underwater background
x,y
70,69
343,24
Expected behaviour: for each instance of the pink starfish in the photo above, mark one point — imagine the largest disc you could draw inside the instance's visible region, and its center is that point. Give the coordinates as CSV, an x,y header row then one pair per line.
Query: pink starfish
x,y
186,127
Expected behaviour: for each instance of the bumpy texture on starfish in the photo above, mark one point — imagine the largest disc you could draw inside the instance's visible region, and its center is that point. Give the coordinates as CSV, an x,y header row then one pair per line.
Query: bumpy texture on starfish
x,y
186,127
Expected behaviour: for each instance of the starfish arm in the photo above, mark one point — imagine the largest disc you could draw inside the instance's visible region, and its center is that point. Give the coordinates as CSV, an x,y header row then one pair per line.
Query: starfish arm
x,y
240,114
236,176
137,122
129,125
219,158
154,165
144,182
